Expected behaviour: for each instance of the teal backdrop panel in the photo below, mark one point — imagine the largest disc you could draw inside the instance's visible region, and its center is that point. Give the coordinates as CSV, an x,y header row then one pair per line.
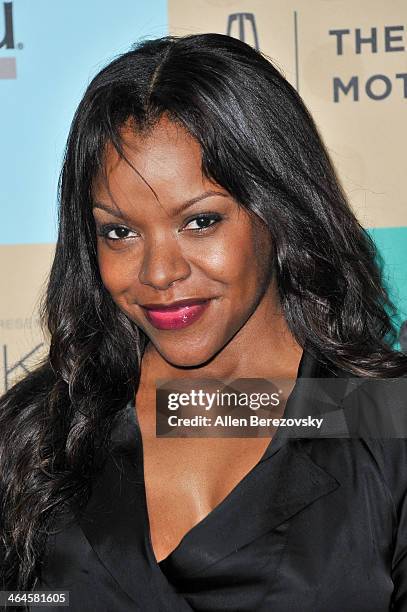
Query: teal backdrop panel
x,y
50,51
392,246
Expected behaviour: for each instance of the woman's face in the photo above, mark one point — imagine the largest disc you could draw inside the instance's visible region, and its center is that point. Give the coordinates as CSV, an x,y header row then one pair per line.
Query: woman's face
x,y
165,234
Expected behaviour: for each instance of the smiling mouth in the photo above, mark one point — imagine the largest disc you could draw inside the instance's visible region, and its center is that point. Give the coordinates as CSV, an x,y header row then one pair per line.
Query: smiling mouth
x,y
177,315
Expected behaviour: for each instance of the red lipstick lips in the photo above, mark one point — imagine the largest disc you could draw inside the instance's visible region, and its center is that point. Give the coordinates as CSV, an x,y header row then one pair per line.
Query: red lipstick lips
x,y
176,315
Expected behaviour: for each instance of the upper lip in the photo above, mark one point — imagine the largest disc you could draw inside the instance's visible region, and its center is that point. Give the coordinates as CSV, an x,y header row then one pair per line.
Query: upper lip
x,y
176,304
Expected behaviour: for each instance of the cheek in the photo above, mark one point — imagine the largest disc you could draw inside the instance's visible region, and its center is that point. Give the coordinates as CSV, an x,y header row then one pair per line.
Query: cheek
x,y
262,250
114,271
240,258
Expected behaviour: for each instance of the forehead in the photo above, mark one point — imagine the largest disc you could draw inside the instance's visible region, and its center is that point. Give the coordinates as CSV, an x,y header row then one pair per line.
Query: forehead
x,y
165,157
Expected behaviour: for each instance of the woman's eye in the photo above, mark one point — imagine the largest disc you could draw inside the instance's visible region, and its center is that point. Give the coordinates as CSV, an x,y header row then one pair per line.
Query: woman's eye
x,y
203,222
199,224
116,232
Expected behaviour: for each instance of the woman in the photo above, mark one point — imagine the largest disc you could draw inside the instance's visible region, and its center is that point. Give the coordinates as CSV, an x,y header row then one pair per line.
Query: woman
x,y
202,233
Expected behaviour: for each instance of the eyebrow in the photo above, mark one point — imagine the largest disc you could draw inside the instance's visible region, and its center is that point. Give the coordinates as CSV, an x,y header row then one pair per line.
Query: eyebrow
x,y
179,209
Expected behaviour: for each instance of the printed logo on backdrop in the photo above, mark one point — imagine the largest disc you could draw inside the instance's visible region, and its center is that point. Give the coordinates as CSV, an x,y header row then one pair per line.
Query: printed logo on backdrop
x,y
13,371
8,62
243,26
368,41
14,365
346,41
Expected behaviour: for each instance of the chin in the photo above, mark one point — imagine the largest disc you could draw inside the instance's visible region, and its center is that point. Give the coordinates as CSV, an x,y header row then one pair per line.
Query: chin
x,y
187,356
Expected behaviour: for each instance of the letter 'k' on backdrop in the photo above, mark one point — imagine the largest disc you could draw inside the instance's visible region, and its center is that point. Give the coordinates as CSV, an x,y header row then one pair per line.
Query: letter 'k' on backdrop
x,y
347,59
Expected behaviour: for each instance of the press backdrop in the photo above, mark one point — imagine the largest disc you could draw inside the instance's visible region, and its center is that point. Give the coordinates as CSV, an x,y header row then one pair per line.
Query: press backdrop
x,y
347,59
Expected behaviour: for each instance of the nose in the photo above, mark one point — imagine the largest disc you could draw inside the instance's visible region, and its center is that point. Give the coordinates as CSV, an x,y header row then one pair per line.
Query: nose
x,y
163,263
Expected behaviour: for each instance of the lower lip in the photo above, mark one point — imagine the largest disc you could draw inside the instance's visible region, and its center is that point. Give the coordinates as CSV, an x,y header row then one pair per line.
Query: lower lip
x,y
176,318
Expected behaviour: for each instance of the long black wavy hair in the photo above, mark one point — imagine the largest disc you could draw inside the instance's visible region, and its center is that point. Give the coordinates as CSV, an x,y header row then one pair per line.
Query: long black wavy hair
x,y
259,142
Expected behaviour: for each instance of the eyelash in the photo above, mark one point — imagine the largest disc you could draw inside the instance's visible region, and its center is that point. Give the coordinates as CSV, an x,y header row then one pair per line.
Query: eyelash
x,y
105,229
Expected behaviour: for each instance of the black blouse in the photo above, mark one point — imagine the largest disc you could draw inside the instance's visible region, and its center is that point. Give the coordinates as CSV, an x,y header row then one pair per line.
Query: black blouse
x,y
318,525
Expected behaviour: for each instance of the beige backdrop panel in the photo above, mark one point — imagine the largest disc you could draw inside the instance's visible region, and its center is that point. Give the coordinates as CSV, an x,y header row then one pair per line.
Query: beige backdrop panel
x,y
25,269
366,137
